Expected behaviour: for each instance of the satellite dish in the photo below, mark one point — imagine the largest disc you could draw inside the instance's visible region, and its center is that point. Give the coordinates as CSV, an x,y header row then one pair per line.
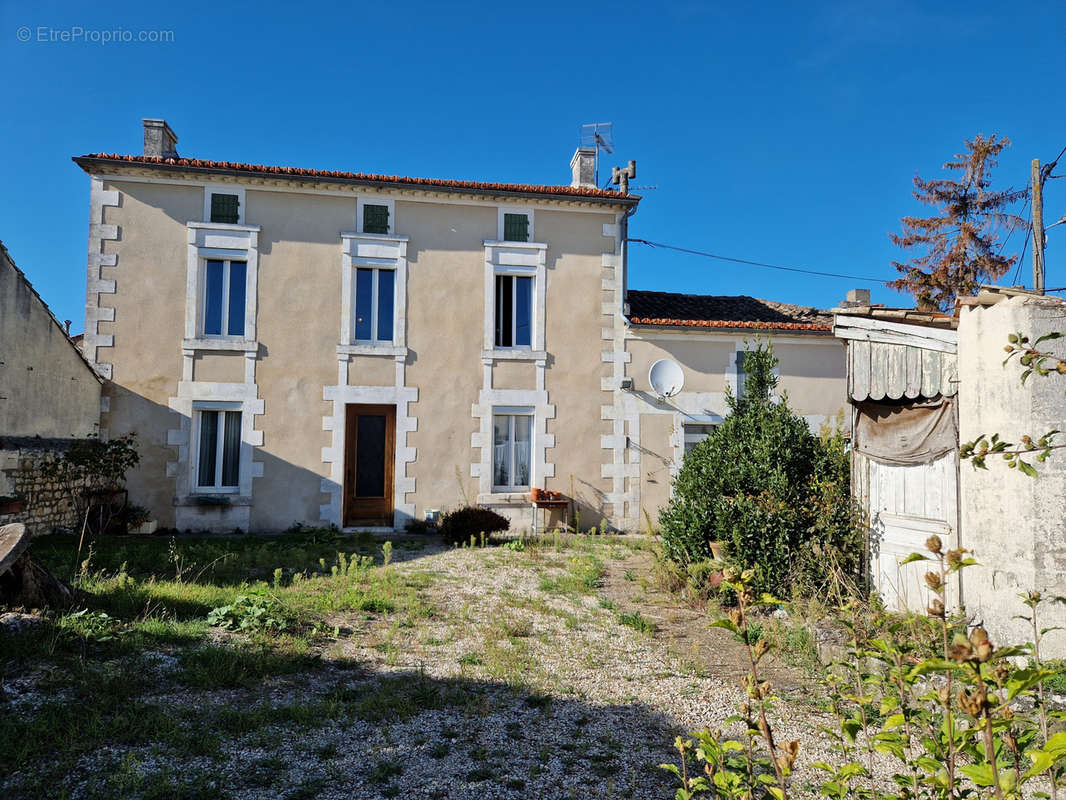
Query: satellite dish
x,y
666,378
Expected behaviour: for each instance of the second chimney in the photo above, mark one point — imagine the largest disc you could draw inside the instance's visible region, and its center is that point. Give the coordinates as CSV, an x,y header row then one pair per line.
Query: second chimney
x,y
159,140
856,298
583,168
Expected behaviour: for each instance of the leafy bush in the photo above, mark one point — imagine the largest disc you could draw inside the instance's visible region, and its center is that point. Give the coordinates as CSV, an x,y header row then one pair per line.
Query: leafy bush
x,y
251,614
764,486
456,527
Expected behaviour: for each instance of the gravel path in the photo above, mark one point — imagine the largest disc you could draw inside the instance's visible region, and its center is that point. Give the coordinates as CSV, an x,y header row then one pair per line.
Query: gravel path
x,y
518,682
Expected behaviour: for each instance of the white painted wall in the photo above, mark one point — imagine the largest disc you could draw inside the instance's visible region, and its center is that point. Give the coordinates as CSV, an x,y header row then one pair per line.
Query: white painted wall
x,y
1015,526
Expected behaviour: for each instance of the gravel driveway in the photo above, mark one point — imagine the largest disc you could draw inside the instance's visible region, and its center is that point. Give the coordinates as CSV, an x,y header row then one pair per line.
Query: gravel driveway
x,y
521,678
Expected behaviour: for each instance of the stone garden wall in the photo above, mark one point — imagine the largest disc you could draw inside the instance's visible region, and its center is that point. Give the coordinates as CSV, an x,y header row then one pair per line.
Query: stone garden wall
x,y
39,504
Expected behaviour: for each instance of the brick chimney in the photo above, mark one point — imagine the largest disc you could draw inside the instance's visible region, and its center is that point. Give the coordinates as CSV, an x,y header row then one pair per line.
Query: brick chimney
x,y
159,140
583,168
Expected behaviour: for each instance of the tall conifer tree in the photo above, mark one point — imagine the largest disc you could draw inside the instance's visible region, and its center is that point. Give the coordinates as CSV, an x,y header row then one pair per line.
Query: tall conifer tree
x,y
958,249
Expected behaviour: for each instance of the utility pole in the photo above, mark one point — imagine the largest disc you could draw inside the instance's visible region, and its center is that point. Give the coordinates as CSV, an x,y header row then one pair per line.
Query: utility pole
x,y
1038,228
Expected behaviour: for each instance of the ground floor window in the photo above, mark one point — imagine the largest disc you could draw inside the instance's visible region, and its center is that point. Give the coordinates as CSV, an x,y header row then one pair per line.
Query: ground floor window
x,y
696,432
218,448
511,439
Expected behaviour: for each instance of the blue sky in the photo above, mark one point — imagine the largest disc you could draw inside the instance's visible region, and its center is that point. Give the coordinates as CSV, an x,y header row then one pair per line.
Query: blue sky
x,y
783,133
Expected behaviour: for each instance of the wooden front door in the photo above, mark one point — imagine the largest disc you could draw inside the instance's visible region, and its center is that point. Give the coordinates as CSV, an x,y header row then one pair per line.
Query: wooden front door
x,y
369,456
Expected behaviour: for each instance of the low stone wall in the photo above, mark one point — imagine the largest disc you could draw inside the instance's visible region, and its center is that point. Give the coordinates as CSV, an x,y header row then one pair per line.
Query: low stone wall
x,y
45,506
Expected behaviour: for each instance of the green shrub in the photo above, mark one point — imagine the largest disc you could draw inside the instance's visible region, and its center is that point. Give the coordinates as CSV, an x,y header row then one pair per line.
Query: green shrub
x,y
764,486
456,527
251,614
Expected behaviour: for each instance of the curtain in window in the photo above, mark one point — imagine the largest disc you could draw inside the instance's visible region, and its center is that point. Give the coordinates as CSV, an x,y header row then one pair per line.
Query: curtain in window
x,y
205,471
501,451
521,450
504,310
386,297
364,303
238,281
213,298
231,449
523,318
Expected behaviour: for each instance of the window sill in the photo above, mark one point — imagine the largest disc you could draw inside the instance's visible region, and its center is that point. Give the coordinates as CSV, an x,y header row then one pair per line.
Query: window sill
x,y
371,350
526,245
204,499
505,498
377,237
225,226
221,343
514,354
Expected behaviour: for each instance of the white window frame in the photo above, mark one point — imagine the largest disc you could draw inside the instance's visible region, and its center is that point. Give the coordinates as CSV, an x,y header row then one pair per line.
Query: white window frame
x,y
515,273
198,408
521,210
525,259
374,341
214,241
511,412
694,438
226,262
373,251
223,188
388,202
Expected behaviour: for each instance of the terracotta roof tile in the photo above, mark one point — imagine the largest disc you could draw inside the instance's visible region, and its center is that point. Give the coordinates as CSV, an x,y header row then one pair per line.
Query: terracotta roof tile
x,y
297,172
668,309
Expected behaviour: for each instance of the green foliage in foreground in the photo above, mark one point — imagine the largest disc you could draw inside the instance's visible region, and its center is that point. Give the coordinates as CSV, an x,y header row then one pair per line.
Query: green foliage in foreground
x,y
947,713
774,494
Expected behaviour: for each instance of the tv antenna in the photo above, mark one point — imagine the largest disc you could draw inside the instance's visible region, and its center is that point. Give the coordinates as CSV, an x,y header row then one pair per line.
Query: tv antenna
x,y
666,378
598,135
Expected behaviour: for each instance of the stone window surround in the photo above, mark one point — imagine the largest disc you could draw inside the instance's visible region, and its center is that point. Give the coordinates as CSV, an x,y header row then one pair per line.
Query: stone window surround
x,y
223,188
373,251
525,259
540,468
216,240
527,210
376,200
194,445
237,396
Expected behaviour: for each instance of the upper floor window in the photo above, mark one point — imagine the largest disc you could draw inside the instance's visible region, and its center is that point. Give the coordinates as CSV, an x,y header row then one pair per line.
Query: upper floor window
x,y
218,448
224,204
375,300
515,228
375,219
515,225
514,311
224,295
225,208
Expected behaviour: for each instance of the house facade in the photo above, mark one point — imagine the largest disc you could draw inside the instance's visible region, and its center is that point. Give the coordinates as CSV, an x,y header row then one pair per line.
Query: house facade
x,y
49,396
297,345
707,336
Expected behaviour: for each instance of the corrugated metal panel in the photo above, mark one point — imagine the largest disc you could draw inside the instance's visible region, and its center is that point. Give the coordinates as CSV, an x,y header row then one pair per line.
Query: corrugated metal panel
x,y
877,370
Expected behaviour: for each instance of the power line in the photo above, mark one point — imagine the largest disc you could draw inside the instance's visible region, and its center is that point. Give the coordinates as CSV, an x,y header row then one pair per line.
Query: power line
x,y
757,263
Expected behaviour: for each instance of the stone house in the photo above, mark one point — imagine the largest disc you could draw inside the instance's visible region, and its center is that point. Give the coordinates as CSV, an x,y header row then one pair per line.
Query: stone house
x,y
325,347
49,395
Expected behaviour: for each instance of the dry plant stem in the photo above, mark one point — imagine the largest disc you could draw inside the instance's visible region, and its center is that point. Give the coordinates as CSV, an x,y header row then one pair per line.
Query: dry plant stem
x,y
906,701
950,717
990,747
1040,694
859,694
764,724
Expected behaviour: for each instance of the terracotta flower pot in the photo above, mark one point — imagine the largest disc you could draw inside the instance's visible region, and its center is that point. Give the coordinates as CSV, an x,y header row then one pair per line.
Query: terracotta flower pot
x,y
536,495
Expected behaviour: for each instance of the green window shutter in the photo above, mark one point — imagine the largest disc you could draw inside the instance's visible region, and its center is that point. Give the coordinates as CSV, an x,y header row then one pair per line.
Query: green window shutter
x,y
224,208
515,228
375,219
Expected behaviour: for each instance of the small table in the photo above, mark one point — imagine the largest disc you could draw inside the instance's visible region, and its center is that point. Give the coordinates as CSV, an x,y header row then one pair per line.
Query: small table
x,y
563,502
